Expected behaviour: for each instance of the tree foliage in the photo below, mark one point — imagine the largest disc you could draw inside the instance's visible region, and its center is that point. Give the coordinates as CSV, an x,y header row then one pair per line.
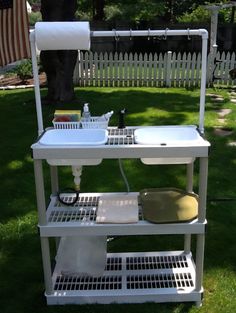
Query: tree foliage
x,y
140,10
148,10
166,11
198,15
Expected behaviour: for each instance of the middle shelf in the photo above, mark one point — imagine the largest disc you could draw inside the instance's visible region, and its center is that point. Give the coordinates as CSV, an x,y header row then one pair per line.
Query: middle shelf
x,y
80,219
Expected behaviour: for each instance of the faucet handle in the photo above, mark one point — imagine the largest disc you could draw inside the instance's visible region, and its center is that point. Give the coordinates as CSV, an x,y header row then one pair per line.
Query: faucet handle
x,y
121,123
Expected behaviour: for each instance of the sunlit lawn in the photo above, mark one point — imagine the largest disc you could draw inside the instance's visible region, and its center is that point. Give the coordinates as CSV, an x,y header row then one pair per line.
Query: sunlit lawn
x,y
21,278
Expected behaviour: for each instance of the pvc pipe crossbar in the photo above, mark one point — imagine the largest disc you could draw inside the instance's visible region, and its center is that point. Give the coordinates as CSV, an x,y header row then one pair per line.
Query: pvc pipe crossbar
x,y
150,33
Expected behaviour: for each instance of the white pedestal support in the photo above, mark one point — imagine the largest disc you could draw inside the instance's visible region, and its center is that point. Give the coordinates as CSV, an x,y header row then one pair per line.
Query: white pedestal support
x,y
77,172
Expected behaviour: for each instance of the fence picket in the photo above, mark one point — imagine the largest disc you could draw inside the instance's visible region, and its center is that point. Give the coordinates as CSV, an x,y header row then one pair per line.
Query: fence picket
x,y
110,69
126,65
183,71
177,75
173,69
154,83
138,63
150,70
192,69
232,66
105,68
198,72
131,57
86,59
144,70
227,68
96,64
80,64
168,69
160,65
221,66
188,68
135,70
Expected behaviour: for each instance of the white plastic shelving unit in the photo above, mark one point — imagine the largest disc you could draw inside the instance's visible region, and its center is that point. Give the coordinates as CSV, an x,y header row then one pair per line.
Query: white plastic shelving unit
x,y
162,276
133,277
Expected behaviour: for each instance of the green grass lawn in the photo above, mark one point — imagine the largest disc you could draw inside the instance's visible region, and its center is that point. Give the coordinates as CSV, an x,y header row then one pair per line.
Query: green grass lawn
x,y
21,277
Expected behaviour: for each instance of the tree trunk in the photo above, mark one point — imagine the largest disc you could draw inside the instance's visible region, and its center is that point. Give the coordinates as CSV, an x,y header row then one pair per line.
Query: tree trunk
x,y
59,64
169,15
232,15
98,10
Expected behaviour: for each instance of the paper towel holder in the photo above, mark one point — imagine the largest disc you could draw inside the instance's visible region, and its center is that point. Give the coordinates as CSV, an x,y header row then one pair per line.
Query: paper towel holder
x,y
203,33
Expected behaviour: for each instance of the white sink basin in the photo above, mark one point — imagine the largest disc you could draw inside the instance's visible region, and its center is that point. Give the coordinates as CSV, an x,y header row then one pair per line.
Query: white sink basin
x,y
168,136
68,137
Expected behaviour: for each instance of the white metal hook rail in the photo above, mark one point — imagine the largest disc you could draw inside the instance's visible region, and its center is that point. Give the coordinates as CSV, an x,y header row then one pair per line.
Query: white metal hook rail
x,y
131,33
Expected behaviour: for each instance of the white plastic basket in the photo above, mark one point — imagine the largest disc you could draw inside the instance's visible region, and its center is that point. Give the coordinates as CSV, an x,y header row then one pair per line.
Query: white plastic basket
x,y
66,125
94,122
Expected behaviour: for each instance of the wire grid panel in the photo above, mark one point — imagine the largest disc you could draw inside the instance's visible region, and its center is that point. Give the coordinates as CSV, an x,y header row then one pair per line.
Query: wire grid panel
x,y
156,262
88,283
158,272
83,210
120,136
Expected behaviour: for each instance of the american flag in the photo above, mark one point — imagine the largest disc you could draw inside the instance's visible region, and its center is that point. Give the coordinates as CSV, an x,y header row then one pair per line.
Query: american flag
x,y
14,31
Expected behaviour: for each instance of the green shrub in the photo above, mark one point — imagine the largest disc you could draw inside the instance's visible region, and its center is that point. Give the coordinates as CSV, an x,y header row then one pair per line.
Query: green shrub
x,y
24,70
34,17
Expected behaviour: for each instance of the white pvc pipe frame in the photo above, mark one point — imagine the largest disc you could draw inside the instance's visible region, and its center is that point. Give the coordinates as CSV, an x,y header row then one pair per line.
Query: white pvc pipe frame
x,y
131,33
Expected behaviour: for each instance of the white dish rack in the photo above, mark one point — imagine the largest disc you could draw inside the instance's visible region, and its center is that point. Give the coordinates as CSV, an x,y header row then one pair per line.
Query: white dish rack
x,y
93,122
66,125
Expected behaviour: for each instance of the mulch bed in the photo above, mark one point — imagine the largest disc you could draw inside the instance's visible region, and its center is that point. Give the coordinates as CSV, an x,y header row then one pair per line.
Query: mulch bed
x,y
14,80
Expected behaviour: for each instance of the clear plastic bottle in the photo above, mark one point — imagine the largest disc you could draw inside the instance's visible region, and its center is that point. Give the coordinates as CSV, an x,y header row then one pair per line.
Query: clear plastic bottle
x,y
86,114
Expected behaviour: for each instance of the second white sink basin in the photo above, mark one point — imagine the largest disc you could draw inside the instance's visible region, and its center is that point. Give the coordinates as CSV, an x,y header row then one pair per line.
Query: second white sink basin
x,y
68,137
167,135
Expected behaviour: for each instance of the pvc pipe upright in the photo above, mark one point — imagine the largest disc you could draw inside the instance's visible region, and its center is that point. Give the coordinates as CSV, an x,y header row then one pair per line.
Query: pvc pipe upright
x,y
36,84
40,194
202,192
203,81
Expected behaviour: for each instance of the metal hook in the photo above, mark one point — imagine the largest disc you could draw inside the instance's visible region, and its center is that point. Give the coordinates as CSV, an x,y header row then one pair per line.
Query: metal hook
x,y
115,35
189,38
148,33
165,36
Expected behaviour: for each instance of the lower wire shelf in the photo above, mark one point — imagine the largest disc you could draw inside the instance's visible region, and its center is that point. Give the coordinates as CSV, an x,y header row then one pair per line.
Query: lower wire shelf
x,y
131,278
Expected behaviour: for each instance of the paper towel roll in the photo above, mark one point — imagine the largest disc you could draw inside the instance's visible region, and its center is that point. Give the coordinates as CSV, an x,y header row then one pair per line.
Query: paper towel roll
x,y
62,35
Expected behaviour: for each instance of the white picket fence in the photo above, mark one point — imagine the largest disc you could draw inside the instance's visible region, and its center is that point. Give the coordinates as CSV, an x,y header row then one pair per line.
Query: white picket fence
x,y
150,70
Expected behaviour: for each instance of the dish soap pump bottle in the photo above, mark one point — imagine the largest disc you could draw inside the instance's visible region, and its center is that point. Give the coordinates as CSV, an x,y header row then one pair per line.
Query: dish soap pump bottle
x,y
86,114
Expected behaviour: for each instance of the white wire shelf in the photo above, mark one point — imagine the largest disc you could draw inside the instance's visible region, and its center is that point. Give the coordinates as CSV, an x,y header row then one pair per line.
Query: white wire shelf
x,y
80,218
131,277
